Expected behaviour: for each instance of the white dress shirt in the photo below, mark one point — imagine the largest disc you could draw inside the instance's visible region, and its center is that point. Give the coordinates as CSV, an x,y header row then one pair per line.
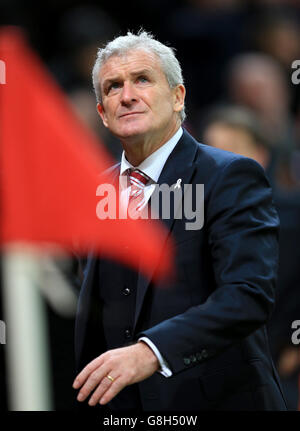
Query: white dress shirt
x,y
151,166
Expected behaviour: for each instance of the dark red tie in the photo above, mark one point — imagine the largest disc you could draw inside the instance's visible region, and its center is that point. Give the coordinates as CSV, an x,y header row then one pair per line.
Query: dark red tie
x,y
138,181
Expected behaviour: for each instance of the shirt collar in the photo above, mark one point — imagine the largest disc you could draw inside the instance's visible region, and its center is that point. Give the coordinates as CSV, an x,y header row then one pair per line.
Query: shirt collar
x,y
153,165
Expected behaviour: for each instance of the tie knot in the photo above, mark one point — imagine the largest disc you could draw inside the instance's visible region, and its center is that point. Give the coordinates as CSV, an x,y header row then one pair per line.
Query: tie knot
x,y
138,178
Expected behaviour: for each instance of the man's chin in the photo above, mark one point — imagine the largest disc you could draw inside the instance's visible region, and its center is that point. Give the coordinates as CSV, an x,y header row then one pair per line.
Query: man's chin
x,y
130,132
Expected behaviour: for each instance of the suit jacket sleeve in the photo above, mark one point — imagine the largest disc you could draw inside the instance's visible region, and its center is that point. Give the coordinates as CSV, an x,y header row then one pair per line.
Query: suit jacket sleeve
x,y
242,227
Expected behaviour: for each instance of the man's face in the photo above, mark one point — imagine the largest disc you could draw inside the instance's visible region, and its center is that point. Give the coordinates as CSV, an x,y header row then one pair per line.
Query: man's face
x,y
137,100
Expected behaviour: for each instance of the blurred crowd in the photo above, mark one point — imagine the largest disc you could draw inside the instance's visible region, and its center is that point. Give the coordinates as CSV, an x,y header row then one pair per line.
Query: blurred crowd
x,y
237,60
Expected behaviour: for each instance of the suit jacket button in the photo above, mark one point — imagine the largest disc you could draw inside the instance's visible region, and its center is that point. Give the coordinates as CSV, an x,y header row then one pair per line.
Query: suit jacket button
x,y
193,358
199,356
127,333
204,353
126,291
186,361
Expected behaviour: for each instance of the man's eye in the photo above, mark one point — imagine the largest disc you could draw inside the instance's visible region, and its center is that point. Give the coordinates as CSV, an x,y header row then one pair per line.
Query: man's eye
x,y
142,79
113,86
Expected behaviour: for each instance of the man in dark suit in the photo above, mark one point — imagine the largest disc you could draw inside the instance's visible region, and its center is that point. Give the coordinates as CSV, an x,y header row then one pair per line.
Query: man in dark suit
x,y
198,340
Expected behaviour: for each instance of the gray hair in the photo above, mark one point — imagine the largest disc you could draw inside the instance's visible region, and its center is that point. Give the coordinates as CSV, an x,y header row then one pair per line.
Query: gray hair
x,y
141,41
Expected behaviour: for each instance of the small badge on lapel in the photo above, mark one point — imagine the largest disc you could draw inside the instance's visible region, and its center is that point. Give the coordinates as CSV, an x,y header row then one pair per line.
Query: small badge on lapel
x,y
178,184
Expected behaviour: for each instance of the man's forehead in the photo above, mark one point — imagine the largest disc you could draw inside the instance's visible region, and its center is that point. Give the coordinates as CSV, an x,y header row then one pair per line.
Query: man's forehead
x,y
131,61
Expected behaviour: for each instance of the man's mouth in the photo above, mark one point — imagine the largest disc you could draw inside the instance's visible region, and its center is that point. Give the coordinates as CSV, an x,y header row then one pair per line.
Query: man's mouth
x,y
127,114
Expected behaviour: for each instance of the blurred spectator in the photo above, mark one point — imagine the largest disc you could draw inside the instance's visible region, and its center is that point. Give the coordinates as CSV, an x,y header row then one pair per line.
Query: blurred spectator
x,y
278,35
257,81
238,130
276,32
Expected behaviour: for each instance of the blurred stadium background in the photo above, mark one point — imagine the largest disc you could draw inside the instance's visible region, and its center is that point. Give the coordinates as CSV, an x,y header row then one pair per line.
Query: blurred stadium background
x,y
237,63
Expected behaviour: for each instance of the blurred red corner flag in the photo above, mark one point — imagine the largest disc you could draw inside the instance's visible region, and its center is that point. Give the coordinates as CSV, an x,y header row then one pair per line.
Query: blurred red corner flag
x,y
50,166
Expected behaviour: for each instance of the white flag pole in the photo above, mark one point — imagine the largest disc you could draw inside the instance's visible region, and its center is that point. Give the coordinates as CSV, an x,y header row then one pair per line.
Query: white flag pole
x,y
27,352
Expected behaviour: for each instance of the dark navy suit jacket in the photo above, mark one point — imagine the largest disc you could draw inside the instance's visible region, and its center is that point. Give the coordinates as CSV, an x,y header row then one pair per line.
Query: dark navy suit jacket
x,y
208,322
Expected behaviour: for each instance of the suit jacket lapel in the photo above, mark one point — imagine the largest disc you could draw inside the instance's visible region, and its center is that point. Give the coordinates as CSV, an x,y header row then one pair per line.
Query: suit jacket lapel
x,y
179,165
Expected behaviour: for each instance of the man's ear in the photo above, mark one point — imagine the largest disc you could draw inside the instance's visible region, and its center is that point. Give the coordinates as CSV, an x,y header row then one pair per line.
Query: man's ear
x,y
179,96
102,114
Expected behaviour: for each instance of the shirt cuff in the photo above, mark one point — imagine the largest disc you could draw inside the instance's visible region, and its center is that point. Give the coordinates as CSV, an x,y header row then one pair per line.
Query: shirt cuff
x,y
164,367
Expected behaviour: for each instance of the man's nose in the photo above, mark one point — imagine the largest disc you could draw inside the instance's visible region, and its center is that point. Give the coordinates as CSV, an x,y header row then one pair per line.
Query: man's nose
x,y
128,94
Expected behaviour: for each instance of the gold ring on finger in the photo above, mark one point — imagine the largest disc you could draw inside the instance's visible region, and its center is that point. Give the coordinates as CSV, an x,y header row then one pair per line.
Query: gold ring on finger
x,y
110,378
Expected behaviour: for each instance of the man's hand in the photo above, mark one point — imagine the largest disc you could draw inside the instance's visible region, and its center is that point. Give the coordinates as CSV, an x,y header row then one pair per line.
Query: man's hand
x,y
125,366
